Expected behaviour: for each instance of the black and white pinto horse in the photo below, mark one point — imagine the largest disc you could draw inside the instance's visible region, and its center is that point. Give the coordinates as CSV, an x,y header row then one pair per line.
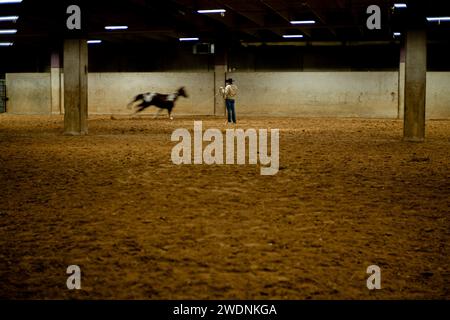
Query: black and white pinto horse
x,y
161,101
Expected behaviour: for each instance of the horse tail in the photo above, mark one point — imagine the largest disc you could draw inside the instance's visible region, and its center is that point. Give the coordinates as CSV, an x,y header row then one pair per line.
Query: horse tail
x,y
137,98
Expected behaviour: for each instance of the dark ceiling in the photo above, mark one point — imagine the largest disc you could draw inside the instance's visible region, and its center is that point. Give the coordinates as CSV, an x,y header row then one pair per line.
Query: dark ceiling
x,y
244,20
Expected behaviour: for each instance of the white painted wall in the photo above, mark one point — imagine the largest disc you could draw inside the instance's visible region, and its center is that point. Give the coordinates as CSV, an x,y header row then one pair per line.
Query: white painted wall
x,y
111,92
330,94
28,93
438,95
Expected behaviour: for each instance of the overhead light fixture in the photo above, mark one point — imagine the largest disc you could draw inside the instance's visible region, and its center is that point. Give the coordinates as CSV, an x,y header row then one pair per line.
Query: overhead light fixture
x,y
438,19
94,41
6,44
189,39
9,18
400,5
116,27
303,22
8,31
212,11
397,34
10,1
288,36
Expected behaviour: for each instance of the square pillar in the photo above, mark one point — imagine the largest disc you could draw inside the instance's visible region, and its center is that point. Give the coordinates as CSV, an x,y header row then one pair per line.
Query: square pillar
x,y
415,85
401,82
75,87
220,71
55,82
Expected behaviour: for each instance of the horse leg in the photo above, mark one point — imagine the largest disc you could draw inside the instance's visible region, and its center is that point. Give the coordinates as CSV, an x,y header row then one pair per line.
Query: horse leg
x,y
130,105
169,110
157,113
140,107
138,97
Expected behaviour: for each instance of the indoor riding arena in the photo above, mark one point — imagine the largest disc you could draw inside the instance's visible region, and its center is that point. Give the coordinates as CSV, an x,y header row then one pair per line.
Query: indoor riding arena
x,y
334,182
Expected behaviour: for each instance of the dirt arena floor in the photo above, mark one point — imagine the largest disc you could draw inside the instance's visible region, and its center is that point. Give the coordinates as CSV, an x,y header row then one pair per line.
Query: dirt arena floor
x,y
349,194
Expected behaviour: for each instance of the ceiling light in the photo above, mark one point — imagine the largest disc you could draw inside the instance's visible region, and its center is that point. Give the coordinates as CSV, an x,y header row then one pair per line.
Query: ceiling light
x,y
400,5
6,44
189,39
287,36
303,22
10,1
438,19
397,34
94,41
9,18
212,11
116,27
8,31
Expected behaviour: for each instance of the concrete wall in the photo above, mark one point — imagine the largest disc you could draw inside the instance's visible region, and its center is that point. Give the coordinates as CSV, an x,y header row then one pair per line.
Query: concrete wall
x,y
28,93
342,94
438,95
333,94
111,92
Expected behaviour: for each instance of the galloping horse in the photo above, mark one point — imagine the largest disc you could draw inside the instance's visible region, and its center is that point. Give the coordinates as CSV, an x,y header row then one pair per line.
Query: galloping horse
x,y
161,101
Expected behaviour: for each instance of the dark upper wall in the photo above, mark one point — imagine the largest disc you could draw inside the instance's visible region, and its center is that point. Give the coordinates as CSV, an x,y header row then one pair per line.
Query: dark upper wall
x,y
320,58
109,57
24,59
156,57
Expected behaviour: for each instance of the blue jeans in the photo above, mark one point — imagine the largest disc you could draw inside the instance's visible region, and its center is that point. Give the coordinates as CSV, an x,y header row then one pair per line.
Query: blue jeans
x,y
230,110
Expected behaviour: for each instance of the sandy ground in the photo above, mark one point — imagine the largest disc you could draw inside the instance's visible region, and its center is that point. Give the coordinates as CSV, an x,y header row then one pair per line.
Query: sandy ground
x,y
349,194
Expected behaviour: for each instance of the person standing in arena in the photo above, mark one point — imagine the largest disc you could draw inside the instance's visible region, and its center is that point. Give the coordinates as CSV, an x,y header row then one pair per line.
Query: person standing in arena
x,y
229,94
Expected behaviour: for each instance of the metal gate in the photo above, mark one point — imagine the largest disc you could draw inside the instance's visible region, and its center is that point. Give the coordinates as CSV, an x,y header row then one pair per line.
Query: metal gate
x,y
2,95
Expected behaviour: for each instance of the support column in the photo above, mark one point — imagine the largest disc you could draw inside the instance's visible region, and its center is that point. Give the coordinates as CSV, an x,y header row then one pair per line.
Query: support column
x,y
401,82
75,87
55,83
415,85
220,70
